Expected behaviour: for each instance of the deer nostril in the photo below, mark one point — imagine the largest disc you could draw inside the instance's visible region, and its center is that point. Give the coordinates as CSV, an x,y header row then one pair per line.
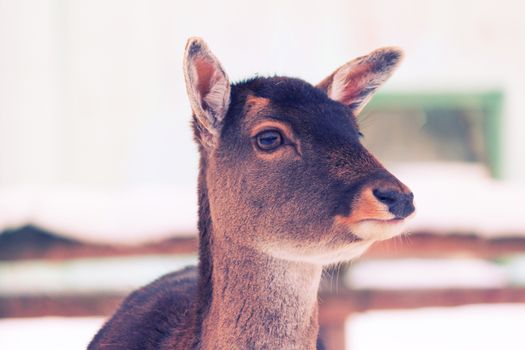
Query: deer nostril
x,y
399,203
386,196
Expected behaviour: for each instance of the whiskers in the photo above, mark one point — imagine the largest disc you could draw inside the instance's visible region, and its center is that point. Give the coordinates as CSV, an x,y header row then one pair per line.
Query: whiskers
x,y
333,275
399,243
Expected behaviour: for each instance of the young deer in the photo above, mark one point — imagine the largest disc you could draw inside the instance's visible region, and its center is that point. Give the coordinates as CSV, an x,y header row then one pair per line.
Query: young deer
x,y
285,188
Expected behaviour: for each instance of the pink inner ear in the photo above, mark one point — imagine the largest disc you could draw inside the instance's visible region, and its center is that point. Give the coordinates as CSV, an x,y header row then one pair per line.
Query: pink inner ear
x,y
204,70
350,86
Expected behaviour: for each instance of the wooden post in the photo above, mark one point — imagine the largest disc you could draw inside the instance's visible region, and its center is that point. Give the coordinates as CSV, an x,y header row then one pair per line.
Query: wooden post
x,y
333,335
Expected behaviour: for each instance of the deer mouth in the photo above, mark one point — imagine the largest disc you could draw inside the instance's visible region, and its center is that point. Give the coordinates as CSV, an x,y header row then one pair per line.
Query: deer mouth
x,y
377,229
393,221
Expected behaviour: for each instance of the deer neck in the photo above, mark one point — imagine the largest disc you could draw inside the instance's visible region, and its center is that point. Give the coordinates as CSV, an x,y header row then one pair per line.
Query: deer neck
x,y
247,299
260,302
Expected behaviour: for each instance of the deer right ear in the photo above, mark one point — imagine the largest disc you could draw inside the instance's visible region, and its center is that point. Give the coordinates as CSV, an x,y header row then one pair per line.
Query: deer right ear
x,y
354,83
208,89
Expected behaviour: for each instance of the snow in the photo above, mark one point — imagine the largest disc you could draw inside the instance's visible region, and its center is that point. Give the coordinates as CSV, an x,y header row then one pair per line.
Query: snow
x,y
431,273
463,198
125,216
81,276
473,327
56,333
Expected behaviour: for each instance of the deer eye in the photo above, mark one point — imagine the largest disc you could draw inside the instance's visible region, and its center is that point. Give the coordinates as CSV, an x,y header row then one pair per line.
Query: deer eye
x,y
268,140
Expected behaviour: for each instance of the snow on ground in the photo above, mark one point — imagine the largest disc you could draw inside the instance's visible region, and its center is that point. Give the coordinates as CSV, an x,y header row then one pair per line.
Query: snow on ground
x,y
126,216
473,327
48,333
463,198
434,273
92,275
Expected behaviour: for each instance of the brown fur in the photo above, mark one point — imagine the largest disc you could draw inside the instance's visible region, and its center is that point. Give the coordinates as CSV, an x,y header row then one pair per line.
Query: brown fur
x,y
255,105
367,207
269,219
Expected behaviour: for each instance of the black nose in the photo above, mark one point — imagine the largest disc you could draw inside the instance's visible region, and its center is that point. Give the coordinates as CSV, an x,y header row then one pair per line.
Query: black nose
x,y
401,204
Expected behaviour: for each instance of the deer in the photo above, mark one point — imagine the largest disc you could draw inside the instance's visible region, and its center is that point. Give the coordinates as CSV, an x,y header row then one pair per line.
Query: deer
x,y
285,188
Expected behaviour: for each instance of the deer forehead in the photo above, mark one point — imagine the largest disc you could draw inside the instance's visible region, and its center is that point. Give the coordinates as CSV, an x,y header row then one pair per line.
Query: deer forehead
x,y
320,121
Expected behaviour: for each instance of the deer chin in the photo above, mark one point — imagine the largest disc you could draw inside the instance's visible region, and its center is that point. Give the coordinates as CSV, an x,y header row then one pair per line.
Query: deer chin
x,y
322,256
378,229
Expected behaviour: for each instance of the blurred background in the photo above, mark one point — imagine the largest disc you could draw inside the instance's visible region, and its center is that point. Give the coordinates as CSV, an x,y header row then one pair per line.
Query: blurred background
x,y
98,168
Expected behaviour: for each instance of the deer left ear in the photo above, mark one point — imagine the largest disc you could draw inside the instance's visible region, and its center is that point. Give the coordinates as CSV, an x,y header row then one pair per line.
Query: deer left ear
x,y
354,83
208,89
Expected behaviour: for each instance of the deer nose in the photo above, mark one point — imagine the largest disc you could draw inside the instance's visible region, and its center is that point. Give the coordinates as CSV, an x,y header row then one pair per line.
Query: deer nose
x,y
399,203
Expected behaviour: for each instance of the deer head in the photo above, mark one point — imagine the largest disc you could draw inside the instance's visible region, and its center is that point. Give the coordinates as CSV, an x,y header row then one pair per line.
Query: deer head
x,y
285,171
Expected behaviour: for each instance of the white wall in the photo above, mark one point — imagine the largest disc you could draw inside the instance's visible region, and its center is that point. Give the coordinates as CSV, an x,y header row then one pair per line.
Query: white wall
x,y
91,92
31,114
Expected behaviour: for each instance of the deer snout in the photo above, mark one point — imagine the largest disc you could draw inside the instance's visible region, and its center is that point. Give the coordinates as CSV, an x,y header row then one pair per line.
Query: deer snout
x,y
399,202
379,210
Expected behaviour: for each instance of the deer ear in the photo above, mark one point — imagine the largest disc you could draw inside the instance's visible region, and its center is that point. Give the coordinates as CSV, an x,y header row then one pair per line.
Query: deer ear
x,y
208,89
354,83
